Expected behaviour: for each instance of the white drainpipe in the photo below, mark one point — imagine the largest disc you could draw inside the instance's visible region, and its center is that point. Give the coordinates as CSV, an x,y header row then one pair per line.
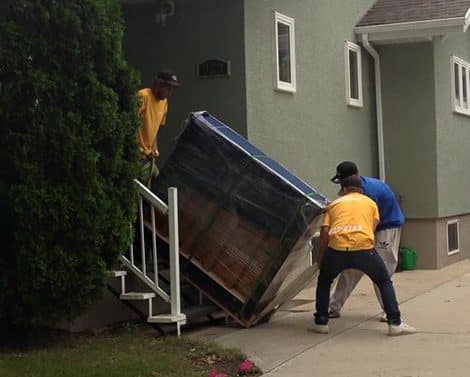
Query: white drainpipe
x,y
378,103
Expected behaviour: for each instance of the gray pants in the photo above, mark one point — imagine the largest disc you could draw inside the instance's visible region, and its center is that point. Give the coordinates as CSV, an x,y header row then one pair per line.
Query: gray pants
x,y
387,244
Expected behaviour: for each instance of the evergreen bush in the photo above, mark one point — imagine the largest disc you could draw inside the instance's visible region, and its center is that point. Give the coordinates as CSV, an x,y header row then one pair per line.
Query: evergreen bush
x,y
68,154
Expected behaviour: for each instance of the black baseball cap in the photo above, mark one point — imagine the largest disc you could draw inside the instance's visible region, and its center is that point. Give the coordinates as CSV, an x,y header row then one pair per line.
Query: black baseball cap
x,y
168,77
351,181
343,170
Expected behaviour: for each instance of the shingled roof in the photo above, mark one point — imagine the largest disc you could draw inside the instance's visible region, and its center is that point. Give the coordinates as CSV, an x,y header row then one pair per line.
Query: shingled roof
x,y
385,12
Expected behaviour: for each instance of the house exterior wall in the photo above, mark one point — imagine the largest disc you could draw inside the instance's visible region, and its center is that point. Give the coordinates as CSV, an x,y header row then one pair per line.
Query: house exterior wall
x,y
198,30
453,144
443,258
410,143
426,145
421,236
312,130
410,127
428,237
453,130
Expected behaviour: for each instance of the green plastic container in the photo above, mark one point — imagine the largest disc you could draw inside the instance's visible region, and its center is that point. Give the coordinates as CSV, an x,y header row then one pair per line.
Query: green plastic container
x,y
408,258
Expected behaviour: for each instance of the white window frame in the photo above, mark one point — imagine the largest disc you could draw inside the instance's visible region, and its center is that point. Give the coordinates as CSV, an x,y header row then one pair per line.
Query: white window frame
x,y
450,222
284,86
459,104
350,46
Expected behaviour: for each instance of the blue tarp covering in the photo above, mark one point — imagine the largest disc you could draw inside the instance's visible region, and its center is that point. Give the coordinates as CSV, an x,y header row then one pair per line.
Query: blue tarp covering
x,y
241,142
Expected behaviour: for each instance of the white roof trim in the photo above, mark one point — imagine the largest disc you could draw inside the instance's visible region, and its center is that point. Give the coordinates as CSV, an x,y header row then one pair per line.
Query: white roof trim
x,y
418,31
415,25
467,20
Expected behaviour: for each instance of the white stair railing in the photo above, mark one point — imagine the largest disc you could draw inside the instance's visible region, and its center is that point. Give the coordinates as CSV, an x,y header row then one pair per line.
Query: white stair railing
x,y
139,268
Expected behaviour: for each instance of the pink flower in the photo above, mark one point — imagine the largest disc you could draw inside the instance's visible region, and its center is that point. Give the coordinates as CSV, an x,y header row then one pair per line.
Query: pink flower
x,y
215,373
245,365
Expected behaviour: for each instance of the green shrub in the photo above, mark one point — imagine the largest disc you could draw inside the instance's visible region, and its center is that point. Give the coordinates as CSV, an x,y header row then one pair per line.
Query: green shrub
x,y
68,154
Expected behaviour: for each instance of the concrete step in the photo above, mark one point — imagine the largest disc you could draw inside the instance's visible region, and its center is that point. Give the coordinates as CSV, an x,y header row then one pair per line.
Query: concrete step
x,y
168,318
137,296
116,274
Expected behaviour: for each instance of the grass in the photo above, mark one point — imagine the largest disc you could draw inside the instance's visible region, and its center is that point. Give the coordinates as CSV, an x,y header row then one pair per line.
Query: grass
x,y
131,352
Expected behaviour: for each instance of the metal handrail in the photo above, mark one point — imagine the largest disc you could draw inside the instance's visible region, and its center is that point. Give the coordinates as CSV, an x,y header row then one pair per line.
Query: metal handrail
x,y
151,197
140,270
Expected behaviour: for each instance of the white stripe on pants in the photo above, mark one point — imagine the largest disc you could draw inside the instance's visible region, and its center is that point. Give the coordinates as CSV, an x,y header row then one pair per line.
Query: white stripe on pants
x,y
387,244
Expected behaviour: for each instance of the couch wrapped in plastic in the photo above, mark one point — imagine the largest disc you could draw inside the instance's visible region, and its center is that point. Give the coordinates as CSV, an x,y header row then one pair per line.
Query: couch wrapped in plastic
x,y
246,223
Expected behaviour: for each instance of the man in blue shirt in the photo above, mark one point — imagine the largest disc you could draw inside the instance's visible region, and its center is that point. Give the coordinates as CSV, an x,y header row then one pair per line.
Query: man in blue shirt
x,y
387,234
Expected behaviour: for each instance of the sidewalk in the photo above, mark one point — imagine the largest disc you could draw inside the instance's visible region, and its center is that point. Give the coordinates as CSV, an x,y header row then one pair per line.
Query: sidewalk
x,y
436,302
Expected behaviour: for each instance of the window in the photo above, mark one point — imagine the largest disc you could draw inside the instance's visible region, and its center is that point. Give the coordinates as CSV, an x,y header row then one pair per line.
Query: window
x,y
284,35
460,85
453,243
353,68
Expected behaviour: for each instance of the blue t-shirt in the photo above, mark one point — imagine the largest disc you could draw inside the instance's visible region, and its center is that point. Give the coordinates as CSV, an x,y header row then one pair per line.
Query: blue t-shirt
x,y
390,213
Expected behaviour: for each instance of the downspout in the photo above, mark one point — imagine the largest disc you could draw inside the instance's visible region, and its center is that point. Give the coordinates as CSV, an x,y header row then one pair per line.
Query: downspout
x,y
378,103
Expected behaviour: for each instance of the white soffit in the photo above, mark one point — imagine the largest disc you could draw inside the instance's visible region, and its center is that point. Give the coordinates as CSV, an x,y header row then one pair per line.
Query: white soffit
x,y
418,31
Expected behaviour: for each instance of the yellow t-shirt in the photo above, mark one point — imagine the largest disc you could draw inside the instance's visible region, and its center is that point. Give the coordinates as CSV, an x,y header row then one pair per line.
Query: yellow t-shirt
x,y
351,221
153,115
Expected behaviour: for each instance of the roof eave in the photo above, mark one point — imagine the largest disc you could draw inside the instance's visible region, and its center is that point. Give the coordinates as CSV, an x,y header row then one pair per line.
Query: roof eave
x,y
414,31
467,20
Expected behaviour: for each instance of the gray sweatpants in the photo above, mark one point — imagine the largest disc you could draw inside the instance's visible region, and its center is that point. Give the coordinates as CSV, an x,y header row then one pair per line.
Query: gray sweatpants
x,y
387,244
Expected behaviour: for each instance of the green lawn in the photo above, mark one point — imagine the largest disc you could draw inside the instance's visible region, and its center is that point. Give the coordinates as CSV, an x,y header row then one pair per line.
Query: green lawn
x,y
131,353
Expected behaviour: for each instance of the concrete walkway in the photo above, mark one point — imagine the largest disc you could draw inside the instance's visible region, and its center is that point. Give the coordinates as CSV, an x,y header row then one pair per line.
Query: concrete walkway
x,y
436,302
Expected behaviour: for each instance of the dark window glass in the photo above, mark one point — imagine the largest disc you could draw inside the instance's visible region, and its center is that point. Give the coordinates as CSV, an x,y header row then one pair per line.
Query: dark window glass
x,y
353,75
464,88
456,82
453,237
283,33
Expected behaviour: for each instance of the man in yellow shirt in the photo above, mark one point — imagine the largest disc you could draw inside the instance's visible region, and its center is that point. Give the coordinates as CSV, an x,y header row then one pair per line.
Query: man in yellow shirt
x,y
153,112
347,241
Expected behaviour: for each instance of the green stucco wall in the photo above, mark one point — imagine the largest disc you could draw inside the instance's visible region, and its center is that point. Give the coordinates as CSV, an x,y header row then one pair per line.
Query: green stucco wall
x,y
453,130
410,126
312,130
198,30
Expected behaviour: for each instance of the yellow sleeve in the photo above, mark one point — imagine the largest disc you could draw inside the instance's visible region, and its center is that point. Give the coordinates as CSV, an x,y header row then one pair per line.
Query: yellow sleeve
x,y
376,213
164,115
326,219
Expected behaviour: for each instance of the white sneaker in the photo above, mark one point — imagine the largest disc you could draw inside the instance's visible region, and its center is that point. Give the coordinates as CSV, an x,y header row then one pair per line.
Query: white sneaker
x,y
320,329
383,318
401,329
